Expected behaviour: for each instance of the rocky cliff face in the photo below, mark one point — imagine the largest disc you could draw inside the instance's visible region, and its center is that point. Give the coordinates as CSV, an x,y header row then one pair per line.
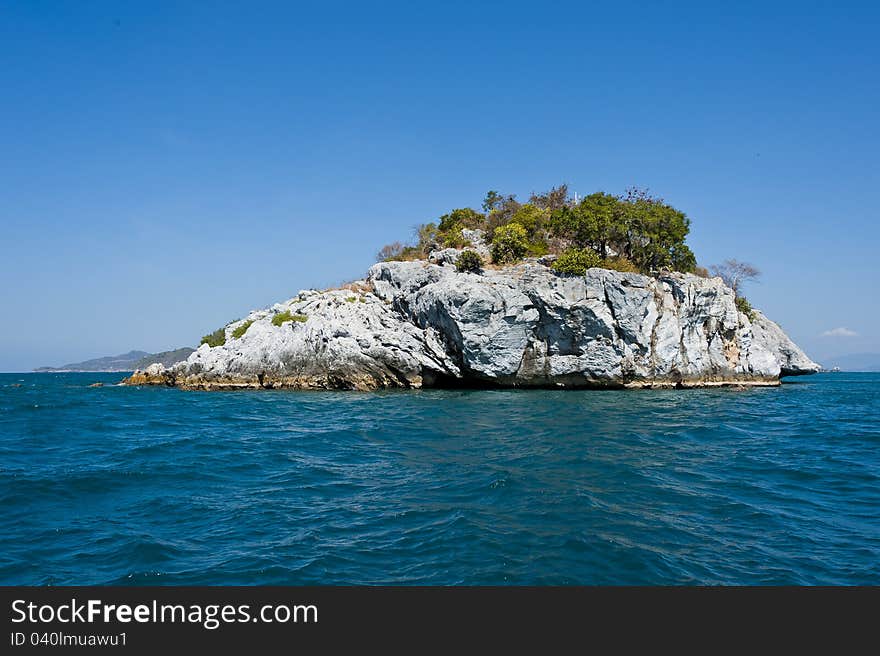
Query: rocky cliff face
x,y
413,324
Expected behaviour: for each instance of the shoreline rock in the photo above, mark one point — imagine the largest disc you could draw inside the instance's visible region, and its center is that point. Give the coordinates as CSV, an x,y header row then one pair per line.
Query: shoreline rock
x,y
421,324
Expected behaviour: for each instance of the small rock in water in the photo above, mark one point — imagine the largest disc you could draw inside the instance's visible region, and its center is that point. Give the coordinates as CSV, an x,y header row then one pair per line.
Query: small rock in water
x,y
97,385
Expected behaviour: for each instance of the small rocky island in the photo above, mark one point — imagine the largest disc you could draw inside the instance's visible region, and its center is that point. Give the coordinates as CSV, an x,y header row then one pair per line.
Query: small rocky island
x,y
437,315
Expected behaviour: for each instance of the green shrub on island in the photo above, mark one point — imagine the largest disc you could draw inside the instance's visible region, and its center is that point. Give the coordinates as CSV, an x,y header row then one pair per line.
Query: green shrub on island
x,y
284,317
500,211
538,248
454,239
576,261
461,218
532,218
217,338
619,264
242,329
509,244
745,307
469,261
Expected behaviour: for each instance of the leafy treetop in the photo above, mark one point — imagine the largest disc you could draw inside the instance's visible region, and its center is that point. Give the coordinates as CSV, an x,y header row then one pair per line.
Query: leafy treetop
x,y
637,228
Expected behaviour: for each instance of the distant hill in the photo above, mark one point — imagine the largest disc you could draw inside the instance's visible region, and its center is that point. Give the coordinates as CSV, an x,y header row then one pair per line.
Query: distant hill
x,y
854,362
166,358
124,362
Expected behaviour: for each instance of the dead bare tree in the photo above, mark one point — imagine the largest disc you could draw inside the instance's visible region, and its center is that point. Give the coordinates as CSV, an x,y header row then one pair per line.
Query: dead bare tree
x,y
734,273
555,199
389,251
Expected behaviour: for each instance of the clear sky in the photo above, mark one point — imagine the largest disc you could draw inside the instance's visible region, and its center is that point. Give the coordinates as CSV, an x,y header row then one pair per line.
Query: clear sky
x,y
166,167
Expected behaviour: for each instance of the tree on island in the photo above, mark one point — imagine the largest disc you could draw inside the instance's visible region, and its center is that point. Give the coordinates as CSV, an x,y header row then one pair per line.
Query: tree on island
x,y
595,222
390,251
552,200
734,273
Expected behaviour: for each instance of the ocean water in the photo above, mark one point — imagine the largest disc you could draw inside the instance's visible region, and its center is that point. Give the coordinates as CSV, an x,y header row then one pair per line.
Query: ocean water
x,y
118,485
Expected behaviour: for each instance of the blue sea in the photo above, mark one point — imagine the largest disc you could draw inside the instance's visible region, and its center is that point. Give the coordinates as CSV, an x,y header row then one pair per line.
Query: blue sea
x,y
120,485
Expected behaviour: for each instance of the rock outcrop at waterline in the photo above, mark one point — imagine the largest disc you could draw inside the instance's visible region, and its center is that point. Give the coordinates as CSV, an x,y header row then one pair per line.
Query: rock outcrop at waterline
x,y
419,324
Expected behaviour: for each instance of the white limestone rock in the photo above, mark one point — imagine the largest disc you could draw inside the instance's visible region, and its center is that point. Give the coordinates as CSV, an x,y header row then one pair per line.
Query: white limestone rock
x,y
477,238
526,325
425,323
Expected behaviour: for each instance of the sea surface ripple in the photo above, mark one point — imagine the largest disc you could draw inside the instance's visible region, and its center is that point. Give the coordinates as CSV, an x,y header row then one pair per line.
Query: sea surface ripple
x,y
120,485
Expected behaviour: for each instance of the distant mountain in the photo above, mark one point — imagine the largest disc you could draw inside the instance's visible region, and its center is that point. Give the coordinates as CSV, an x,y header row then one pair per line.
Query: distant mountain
x,y
125,362
166,358
854,362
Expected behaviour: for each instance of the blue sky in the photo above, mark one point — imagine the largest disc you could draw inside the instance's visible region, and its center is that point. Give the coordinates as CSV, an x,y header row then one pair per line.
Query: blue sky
x,y
164,168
